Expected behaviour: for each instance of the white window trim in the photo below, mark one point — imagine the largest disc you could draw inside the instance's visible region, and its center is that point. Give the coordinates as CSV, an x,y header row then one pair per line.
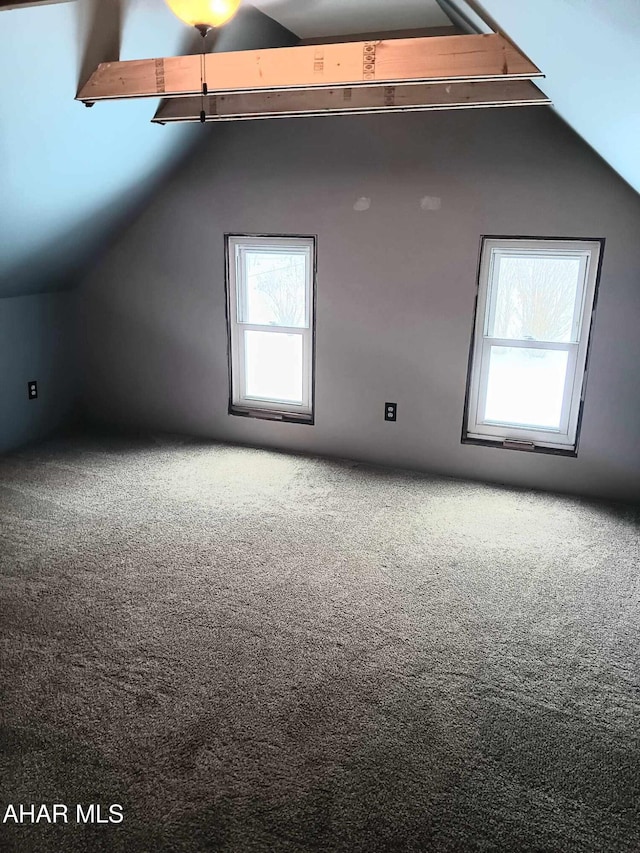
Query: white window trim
x,y
566,437
239,402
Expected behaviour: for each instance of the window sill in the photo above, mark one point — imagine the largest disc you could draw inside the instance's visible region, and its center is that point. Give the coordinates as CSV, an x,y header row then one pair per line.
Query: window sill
x,y
571,452
272,415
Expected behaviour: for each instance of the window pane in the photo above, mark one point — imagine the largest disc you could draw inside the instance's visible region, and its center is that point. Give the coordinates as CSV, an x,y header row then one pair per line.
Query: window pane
x,y
526,387
273,366
275,288
535,298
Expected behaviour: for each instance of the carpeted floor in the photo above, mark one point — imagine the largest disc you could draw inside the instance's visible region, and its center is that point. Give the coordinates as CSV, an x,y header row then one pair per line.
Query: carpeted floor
x,y
262,653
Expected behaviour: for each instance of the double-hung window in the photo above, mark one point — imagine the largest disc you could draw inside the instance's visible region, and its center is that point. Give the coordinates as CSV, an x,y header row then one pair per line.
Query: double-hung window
x,y
531,338
270,305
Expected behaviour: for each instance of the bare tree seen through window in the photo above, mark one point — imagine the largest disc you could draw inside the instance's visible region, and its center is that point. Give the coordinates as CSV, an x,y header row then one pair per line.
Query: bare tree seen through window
x,y
536,298
281,280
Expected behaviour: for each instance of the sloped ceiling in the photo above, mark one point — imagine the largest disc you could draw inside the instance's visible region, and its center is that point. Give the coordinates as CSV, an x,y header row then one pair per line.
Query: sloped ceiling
x,y
313,18
589,51
70,176
66,172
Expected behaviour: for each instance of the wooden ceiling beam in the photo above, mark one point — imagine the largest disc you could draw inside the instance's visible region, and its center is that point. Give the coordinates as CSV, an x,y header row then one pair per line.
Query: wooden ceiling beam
x,y
393,61
352,101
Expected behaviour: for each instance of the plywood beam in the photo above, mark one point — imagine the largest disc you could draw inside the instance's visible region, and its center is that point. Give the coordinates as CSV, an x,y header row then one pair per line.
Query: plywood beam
x,y
440,59
352,101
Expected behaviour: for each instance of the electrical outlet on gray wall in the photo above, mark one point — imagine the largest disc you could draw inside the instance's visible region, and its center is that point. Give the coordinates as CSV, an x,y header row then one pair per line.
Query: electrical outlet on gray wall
x,y
32,388
390,411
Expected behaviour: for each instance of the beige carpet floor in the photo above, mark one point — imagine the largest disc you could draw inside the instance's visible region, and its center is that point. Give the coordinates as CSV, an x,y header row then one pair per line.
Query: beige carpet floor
x,y
261,653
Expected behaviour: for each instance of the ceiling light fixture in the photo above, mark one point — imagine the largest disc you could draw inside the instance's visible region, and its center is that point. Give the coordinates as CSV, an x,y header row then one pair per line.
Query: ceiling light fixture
x,y
204,15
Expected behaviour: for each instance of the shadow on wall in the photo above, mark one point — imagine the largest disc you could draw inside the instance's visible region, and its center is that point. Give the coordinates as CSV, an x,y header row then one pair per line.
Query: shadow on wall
x,y
36,343
176,376
101,23
60,262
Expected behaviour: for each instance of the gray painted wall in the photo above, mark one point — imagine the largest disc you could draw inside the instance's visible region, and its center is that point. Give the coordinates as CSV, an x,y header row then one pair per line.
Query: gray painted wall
x,y
396,287
36,342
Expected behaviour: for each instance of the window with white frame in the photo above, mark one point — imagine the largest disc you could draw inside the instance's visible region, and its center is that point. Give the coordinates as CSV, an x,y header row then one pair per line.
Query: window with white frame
x,y
270,294
530,345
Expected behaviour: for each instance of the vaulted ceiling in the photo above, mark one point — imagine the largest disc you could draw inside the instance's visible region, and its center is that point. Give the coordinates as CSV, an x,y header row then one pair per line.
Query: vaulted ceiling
x,y
71,176
309,18
589,51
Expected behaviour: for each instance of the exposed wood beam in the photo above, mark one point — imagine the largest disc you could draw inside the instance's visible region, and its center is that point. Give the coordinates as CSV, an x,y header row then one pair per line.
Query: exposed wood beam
x,y
356,101
476,17
440,59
